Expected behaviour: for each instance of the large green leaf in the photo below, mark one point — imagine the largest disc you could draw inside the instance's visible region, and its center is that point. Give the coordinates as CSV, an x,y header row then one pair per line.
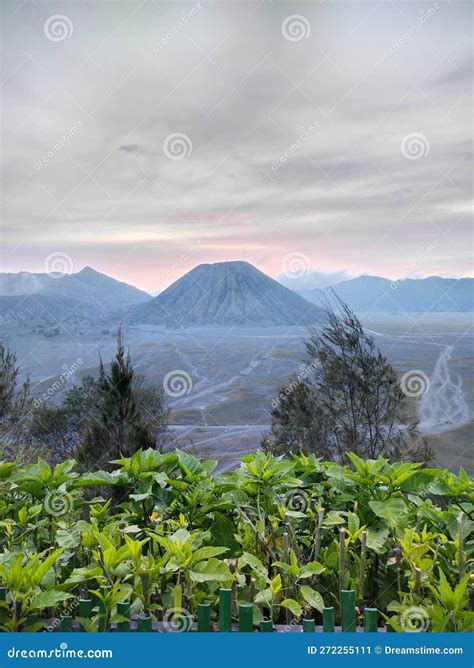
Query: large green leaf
x,y
207,553
255,564
6,468
94,479
49,599
312,597
222,531
310,569
391,510
210,570
42,570
293,606
377,540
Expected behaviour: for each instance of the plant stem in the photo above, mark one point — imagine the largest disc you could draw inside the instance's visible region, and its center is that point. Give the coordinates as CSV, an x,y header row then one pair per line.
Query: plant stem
x,y
363,561
417,581
317,536
462,564
342,559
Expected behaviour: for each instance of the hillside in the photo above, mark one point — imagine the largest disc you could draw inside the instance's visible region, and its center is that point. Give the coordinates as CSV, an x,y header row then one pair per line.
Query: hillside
x,y
44,315
227,293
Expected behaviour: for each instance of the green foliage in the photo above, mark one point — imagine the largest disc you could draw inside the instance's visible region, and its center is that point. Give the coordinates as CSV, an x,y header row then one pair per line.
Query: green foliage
x,y
347,397
118,425
283,533
15,405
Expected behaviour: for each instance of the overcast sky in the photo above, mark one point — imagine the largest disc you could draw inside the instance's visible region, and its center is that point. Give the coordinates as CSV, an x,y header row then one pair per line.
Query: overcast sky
x,y
336,141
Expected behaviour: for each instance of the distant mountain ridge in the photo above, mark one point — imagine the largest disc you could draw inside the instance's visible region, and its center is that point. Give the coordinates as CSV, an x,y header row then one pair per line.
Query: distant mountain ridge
x,y
374,294
48,305
227,293
100,291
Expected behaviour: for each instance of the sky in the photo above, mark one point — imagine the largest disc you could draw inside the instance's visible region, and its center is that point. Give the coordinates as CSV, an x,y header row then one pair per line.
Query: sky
x,y
310,139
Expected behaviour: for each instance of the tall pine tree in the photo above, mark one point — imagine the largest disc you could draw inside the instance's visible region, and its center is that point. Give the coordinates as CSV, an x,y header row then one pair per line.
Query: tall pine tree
x,y
118,427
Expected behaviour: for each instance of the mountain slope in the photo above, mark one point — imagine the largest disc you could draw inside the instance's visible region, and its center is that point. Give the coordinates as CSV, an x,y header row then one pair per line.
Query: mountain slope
x,y
101,292
373,294
227,293
45,315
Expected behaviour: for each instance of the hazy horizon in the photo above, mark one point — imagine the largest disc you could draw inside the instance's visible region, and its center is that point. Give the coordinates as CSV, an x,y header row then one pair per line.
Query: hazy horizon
x,y
297,281
327,138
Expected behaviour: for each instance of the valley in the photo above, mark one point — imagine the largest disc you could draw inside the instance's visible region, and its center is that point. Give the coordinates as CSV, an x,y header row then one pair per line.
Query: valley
x,y
235,372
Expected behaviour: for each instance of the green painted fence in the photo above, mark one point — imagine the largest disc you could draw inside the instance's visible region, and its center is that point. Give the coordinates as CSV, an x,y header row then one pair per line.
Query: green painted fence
x,y
83,609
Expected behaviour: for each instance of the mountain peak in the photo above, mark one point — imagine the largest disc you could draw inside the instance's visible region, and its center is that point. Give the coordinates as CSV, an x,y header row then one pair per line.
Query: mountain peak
x,y
227,293
89,271
229,265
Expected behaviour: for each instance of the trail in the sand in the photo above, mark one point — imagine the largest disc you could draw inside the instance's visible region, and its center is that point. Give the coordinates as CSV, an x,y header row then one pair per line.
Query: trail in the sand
x,y
443,406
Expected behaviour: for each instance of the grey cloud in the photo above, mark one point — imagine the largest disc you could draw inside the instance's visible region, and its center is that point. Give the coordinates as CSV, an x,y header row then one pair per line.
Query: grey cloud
x,y
131,148
244,96
461,73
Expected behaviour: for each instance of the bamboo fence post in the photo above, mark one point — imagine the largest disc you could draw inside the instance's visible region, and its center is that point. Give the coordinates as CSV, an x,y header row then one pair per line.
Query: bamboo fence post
x,y
85,609
309,625
144,624
266,626
31,619
328,620
204,617
66,623
225,610
246,617
348,610
123,609
370,620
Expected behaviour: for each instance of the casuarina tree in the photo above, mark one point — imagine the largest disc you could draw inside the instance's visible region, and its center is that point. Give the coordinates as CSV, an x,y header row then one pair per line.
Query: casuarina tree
x,y
346,399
